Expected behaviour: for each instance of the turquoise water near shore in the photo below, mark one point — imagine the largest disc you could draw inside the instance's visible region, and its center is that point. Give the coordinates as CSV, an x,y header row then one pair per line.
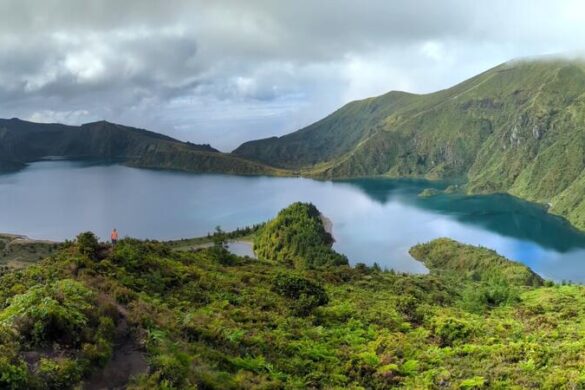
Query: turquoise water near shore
x,y
374,220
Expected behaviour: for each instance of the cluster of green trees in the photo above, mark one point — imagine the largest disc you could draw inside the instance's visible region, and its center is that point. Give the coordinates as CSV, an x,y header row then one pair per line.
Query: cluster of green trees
x,y
203,322
297,237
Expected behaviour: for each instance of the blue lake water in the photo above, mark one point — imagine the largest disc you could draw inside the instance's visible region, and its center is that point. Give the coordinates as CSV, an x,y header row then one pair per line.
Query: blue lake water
x,y
374,220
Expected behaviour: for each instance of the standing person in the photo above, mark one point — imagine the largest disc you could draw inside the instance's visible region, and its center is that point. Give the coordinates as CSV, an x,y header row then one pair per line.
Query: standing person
x,y
114,237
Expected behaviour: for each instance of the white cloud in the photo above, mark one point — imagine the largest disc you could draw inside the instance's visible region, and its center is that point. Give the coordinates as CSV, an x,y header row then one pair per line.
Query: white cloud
x,y
86,66
434,50
66,117
373,76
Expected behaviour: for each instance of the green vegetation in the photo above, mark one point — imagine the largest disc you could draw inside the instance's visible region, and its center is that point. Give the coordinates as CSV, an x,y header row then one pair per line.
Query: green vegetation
x,y
516,128
62,321
22,142
480,264
304,294
88,244
325,140
297,237
476,321
428,192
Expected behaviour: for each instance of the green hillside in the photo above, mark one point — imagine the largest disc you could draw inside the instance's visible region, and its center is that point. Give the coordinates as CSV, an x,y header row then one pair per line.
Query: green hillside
x,y
22,142
335,135
517,128
146,316
298,238
449,257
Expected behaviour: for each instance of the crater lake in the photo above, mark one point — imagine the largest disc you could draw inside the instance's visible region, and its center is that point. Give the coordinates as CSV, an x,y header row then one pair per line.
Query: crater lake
x,y
374,220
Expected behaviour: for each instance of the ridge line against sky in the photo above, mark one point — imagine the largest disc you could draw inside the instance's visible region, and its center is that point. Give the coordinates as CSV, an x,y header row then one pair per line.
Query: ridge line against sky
x,y
225,72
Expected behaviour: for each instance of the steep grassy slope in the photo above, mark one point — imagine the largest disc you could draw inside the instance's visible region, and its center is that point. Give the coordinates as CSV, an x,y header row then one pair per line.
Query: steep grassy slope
x,y
390,129
333,136
517,128
208,319
22,142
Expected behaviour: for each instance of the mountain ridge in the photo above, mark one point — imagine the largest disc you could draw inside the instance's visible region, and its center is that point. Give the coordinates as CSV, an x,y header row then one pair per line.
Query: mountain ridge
x,y
22,142
517,128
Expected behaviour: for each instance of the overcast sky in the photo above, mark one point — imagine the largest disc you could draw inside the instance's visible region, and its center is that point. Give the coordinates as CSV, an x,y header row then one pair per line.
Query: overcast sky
x,y
223,72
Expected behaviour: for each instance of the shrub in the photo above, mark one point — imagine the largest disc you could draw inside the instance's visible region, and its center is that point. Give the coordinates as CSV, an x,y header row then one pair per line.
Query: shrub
x,y
305,294
222,255
13,375
60,374
56,312
477,298
172,369
450,331
88,244
219,238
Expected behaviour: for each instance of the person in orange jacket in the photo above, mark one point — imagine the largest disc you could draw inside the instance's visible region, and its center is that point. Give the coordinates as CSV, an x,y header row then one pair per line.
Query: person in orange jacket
x,y
114,237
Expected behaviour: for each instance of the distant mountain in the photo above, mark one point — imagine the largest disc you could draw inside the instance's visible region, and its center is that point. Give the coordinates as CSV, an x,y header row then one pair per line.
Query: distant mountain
x,y
329,138
517,128
22,142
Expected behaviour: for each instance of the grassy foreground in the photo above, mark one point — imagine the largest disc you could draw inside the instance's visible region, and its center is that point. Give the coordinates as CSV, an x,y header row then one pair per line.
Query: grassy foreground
x,y
208,319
